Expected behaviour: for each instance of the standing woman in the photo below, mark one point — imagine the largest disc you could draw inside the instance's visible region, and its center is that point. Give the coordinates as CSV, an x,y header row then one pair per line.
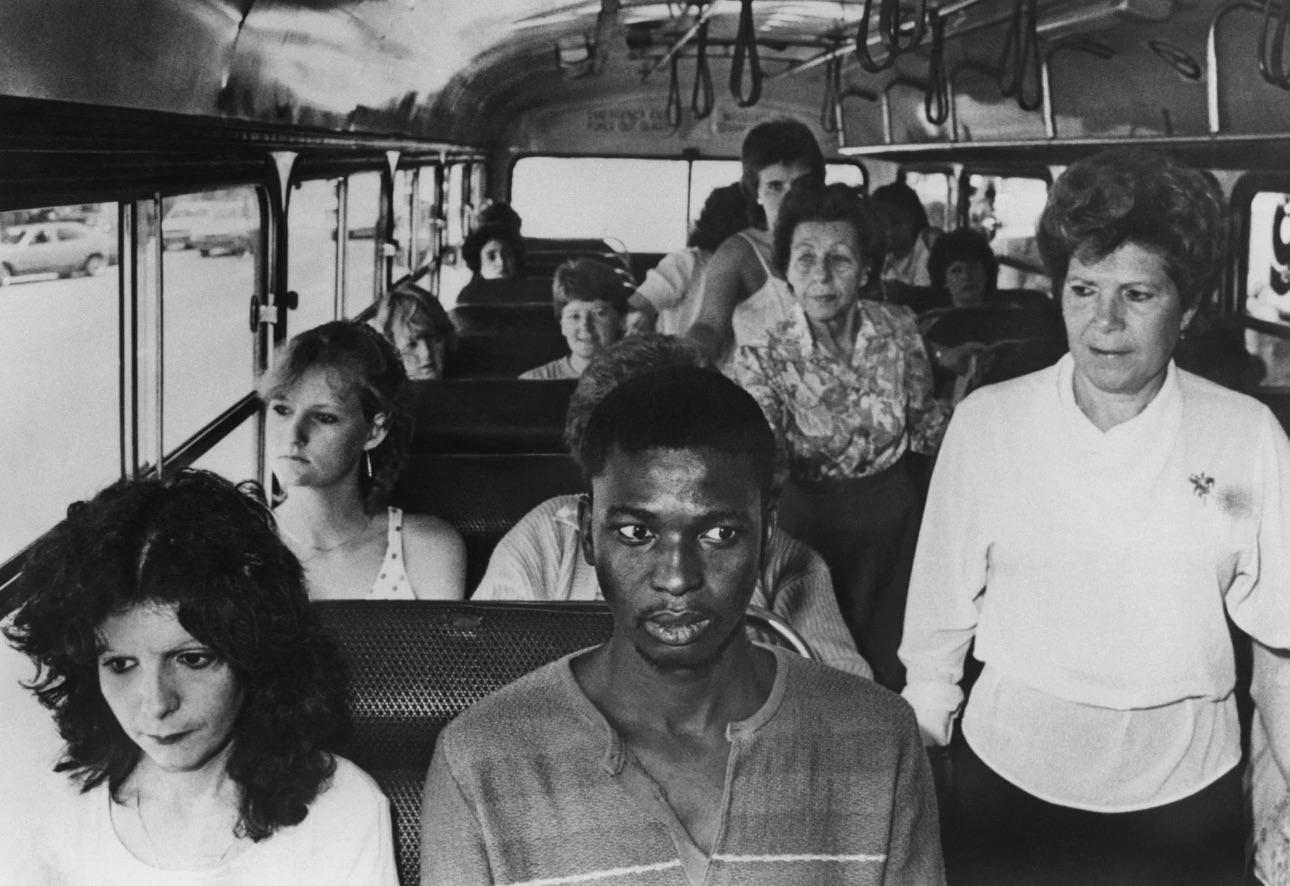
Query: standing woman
x,y
197,698
1091,526
847,388
337,438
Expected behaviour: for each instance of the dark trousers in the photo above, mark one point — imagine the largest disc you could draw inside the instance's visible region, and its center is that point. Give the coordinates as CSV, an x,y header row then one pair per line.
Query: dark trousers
x,y
999,835
866,530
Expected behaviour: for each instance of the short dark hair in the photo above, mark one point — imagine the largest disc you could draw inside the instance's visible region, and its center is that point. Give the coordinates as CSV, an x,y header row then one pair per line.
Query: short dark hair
x,y
680,407
1140,196
809,201
480,237
776,141
963,245
416,308
724,214
371,364
624,359
195,542
499,212
586,279
903,200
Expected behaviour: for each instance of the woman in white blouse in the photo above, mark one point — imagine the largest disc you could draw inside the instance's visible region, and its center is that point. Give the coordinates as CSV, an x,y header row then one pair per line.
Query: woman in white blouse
x,y
1089,525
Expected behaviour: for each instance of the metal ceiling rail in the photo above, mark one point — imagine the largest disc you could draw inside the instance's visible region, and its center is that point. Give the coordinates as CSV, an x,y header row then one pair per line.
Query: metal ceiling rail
x,y
685,38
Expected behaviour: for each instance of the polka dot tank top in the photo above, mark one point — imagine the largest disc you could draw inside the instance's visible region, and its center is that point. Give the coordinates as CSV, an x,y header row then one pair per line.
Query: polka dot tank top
x,y
392,580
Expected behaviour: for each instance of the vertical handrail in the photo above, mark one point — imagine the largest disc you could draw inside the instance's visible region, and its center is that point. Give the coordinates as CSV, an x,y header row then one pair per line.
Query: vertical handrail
x,y
342,239
158,339
414,228
1212,100
128,337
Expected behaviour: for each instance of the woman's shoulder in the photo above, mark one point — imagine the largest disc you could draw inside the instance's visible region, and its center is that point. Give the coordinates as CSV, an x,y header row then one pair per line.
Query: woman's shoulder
x,y
1211,399
889,315
351,784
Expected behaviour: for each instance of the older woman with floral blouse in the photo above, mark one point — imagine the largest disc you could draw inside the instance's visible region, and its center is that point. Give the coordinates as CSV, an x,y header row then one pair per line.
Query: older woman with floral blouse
x,y
846,384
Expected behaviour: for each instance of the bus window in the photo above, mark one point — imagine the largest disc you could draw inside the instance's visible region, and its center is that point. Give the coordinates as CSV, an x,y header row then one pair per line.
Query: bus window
x,y
59,433
1267,283
1006,210
851,174
311,253
707,176
456,202
235,456
208,356
934,189
360,247
640,203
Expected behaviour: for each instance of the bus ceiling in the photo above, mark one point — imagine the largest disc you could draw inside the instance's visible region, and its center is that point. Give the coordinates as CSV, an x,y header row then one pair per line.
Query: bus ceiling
x,y
920,77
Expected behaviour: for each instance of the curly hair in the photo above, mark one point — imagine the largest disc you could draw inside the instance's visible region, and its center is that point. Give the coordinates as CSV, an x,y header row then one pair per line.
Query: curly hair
x,y
199,544
361,357
810,201
501,213
1134,195
963,245
480,237
724,214
776,141
417,309
620,361
586,279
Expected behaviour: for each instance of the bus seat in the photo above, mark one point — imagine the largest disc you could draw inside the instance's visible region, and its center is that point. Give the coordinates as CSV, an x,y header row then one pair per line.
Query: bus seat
x,y
543,255
505,318
483,495
502,356
527,289
489,415
415,665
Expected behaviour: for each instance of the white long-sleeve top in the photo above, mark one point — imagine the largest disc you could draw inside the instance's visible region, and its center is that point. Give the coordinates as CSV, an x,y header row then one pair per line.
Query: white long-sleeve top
x,y
1093,569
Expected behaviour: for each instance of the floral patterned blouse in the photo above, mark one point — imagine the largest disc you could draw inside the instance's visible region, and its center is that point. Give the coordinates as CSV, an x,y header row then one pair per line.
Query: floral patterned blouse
x,y
835,420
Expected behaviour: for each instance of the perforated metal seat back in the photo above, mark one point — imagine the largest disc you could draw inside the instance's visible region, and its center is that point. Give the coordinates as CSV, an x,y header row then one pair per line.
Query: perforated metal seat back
x,y
416,665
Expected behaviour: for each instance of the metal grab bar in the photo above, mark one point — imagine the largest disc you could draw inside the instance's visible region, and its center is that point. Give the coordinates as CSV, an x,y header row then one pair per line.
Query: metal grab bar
x,y
936,101
674,94
1092,47
831,107
1272,63
1020,55
1211,60
773,624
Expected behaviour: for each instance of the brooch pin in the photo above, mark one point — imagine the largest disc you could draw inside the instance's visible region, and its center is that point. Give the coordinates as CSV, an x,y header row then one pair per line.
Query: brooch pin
x,y
1201,484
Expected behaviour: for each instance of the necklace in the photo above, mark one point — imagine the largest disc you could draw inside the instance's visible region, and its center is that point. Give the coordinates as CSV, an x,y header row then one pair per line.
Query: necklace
x,y
323,549
153,855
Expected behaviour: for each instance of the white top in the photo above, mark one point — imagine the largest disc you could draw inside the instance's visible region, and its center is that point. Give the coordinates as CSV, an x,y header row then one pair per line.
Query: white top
x,y
760,312
345,839
673,287
1093,569
392,581
912,269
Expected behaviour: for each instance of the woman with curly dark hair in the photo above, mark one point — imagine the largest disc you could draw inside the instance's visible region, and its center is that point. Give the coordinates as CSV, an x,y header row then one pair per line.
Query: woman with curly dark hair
x,y
196,696
1093,526
338,435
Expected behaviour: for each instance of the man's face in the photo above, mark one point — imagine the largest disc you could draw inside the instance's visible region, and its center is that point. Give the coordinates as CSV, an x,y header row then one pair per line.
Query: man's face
x,y
676,537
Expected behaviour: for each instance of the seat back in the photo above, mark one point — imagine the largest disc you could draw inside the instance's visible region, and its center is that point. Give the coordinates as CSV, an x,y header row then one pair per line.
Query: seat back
x,y
483,495
505,318
489,415
521,290
415,665
503,356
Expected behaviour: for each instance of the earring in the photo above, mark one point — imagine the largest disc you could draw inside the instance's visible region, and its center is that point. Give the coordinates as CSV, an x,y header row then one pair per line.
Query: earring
x,y
367,457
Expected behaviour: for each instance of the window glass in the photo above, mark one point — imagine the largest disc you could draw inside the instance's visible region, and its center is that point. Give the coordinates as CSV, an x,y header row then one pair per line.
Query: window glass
x,y
852,174
640,203
1267,283
456,202
208,357
360,248
59,315
403,208
234,457
311,253
934,190
707,176
1006,209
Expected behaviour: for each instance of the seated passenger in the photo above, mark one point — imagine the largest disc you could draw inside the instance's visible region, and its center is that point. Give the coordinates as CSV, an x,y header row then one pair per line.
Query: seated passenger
x,y
416,324
910,237
540,557
668,300
494,251
743,293
197,698
847,387
591,305
499,212
337,437
679,751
